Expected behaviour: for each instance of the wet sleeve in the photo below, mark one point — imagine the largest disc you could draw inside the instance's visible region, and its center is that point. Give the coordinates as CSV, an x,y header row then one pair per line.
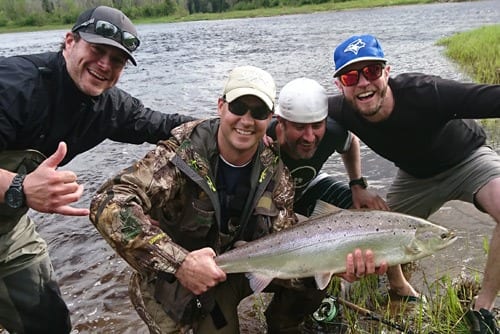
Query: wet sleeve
x,y
119,211
134,123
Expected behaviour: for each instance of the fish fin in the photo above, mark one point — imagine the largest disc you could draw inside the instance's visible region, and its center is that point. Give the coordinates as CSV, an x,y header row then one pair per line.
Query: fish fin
x,y
258,282
301,218
413,248
322,280
322,208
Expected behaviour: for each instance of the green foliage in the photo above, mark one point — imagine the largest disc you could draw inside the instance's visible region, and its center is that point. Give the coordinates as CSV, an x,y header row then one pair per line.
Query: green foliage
x,y
478,52
443,313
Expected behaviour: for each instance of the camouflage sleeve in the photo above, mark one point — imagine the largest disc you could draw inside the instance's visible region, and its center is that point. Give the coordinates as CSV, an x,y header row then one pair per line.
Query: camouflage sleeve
x,y
119,211
283,197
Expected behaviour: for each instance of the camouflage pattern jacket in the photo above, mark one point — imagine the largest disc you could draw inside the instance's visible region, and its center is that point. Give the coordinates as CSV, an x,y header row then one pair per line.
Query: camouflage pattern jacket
x,y
166,204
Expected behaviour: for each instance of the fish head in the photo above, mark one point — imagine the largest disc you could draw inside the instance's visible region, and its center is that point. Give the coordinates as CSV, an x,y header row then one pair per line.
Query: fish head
x,y
433,237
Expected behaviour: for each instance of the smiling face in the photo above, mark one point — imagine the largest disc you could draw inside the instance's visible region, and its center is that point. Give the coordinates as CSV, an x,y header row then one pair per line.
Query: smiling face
x,y
239,136
300,140
94,68
372,99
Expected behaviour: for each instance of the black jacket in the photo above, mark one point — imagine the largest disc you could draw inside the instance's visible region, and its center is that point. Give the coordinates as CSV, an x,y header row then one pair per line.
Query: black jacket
x,y
41,106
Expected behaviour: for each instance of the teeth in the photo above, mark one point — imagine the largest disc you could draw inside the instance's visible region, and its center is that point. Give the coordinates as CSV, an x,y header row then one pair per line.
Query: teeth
x,y
97,75
242,132
365,94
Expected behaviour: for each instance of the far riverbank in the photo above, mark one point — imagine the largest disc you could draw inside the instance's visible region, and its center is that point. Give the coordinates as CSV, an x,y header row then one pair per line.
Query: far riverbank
x,y
184,16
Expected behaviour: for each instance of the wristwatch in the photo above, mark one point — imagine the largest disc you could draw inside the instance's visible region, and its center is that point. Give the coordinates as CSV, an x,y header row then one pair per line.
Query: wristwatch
x,y
14,196
359,182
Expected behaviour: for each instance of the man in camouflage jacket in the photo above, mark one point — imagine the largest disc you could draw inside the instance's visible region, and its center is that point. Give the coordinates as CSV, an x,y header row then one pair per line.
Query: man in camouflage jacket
x,y
167,218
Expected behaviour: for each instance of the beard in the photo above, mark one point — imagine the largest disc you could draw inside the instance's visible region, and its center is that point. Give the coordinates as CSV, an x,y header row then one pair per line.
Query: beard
x,y
369,112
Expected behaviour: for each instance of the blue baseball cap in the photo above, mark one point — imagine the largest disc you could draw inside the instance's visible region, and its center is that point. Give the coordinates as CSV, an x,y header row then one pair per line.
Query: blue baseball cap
x,y
356,49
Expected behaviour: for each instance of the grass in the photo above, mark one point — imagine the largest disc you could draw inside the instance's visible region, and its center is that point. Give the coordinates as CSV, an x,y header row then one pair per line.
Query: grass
x,y
443,313
477,52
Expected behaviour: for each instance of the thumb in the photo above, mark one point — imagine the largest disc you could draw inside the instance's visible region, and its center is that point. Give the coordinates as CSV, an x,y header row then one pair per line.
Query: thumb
x,y
55,159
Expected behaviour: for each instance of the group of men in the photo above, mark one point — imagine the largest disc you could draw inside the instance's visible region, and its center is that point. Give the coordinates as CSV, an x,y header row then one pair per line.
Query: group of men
x,y
210,185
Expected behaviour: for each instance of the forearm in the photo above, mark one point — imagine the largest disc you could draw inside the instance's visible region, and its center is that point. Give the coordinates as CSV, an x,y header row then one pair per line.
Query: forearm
x,y
352,160
135,238
5,181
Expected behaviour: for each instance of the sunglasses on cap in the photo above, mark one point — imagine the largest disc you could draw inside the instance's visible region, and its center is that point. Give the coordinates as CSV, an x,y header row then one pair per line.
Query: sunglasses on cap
x,y
111,31
370,72
240,108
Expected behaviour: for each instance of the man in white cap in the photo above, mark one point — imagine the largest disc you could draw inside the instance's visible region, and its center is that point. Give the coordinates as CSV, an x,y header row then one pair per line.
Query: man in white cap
x,y
211,185
426,126
307,138
64,102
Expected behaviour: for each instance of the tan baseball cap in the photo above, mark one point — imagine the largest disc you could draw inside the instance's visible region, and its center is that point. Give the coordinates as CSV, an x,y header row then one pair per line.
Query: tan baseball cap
x,y
250,80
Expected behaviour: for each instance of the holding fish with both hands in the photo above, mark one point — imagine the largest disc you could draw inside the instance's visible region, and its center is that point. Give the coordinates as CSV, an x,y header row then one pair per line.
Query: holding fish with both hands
x,y
319,246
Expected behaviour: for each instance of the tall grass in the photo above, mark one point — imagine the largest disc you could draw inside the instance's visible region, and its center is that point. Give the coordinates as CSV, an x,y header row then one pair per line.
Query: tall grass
x,y
477,52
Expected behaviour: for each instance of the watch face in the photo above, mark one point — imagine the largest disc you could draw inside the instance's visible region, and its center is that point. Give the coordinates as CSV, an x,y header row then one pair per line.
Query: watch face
x,y
14,198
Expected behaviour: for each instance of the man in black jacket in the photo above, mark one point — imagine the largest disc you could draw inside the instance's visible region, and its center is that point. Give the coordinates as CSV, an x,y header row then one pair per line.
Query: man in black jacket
x,y
425,125
58,105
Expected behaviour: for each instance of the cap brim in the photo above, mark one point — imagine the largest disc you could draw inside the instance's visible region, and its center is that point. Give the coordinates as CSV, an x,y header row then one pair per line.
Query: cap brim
x,y
357,60
96,39
238,92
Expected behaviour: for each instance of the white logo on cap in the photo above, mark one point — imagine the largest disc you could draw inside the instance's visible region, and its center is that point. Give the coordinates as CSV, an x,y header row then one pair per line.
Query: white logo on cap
x,y
355,46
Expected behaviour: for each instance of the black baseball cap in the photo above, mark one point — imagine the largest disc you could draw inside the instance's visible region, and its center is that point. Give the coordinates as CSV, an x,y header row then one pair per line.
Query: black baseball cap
x,y
125,37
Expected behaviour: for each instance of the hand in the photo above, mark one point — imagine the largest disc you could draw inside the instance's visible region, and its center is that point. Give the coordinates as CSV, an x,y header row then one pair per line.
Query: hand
x,y
358,266
268,141
363,198
48,190
199,272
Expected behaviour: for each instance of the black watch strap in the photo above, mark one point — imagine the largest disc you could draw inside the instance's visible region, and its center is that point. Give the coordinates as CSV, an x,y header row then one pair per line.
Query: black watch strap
x,y
359,182
17,181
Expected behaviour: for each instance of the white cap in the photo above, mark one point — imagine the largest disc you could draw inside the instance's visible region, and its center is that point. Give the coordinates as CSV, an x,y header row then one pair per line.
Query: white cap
x,y
250,80
303,101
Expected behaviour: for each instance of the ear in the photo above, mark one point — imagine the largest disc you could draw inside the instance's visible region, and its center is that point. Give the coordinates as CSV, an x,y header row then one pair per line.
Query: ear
x,y
220,106
69,39
387,69
339,85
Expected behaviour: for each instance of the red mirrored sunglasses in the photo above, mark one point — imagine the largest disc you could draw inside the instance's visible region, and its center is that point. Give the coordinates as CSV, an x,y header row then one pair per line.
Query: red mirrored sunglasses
x,y
370,72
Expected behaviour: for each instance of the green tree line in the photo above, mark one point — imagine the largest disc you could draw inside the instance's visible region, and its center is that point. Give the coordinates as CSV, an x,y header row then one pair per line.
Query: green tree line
x,y
48,12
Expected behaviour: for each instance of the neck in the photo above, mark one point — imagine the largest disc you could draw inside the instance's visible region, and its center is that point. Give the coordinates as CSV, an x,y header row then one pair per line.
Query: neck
x,y
236,159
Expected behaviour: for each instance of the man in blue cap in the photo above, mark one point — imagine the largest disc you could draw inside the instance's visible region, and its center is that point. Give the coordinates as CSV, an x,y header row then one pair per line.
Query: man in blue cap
x,y
54,106
425,125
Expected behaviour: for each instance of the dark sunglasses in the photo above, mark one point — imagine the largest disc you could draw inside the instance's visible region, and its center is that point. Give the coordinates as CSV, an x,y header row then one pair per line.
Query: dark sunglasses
x,y
240,108
109,30
370,72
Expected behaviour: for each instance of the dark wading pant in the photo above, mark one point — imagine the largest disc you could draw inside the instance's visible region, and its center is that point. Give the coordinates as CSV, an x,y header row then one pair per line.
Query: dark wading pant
x,y
31,303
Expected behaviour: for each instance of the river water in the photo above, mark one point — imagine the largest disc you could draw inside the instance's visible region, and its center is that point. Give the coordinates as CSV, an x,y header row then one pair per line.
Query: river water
x,y
182,67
